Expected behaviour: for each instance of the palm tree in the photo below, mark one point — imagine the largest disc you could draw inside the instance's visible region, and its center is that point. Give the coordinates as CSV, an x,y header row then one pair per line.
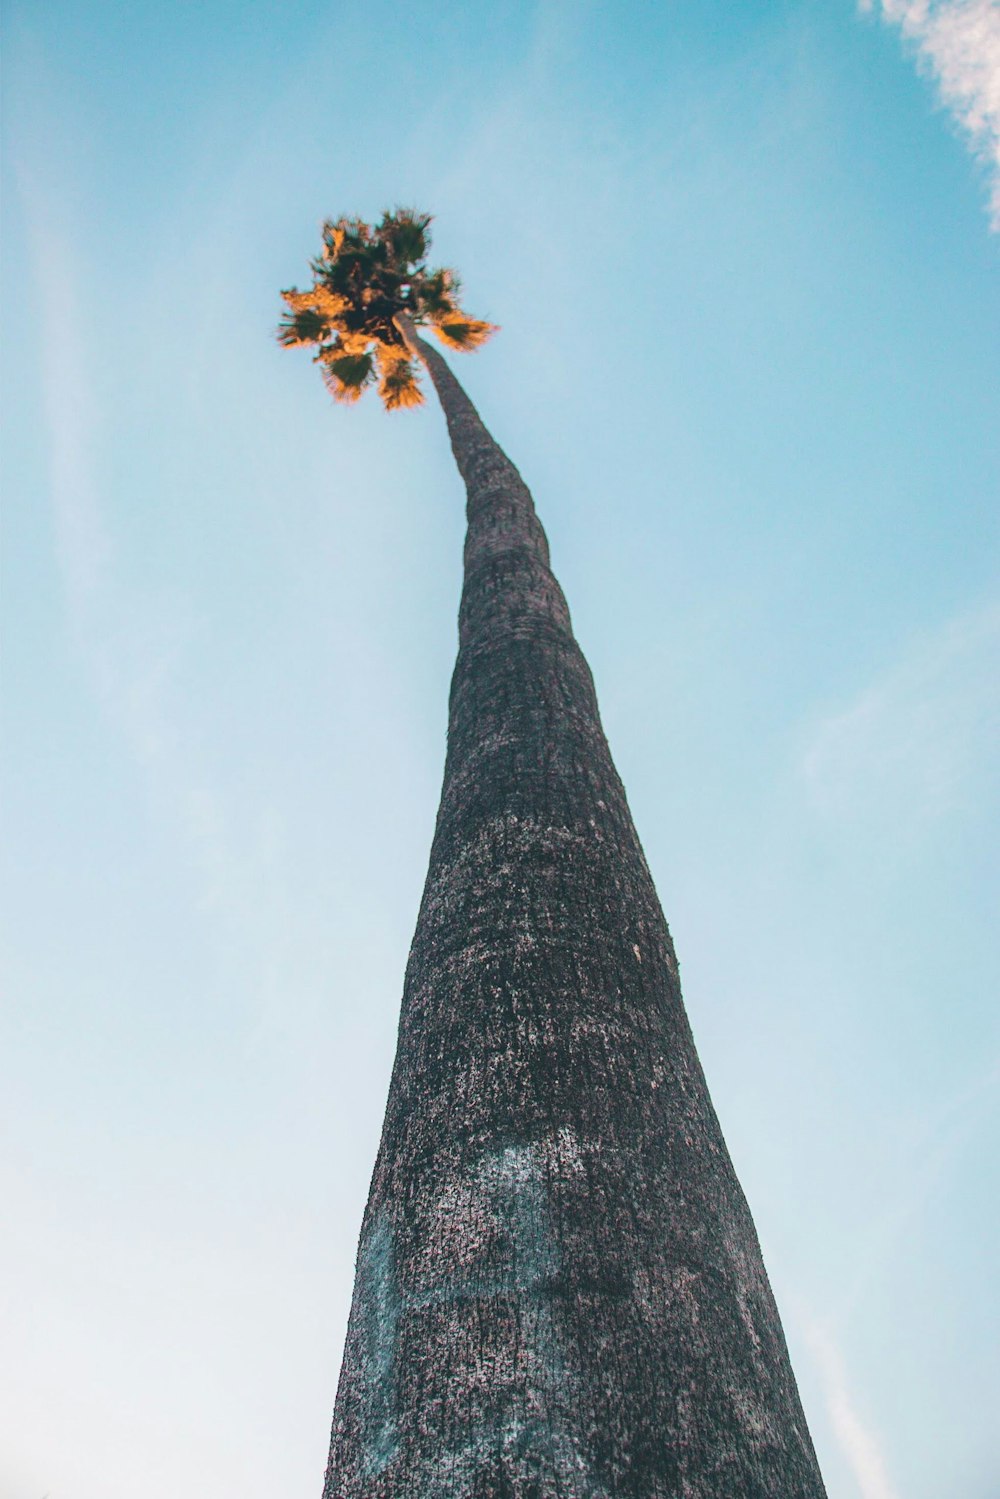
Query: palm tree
x,y
559,1287
369,287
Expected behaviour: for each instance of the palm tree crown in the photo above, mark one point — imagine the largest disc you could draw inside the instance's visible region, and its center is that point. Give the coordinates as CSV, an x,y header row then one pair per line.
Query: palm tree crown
x,y
364,280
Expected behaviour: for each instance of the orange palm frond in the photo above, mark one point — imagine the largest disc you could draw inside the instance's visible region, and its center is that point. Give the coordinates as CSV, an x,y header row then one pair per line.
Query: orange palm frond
x,y
353,343
398,386
461,332
298,301
333,238
318,298
328,302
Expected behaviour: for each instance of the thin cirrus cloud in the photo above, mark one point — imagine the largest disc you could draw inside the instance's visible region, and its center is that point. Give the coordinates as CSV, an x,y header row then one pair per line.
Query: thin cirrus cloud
x,y
129,647
859,1445
936,1144
958,43
918,743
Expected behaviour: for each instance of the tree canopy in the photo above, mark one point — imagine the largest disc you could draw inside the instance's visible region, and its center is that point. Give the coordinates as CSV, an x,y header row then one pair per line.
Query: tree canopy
x,y
363,280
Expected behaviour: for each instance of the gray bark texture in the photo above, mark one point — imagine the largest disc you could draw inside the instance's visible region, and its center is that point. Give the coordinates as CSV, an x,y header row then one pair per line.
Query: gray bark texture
x,y
559,1287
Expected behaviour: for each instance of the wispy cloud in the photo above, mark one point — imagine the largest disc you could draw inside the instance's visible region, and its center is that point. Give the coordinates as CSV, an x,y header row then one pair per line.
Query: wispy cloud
x,y
857,1441
919,743
131,668
936,1142
132,644
958,43
81,540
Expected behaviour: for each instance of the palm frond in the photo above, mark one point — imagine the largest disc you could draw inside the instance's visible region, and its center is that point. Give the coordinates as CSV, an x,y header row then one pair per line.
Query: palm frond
x,y
319,297
347,376
329,302
356,231
399,386
436,292
297,301
303,327
333,237
351,342
405,233
459,331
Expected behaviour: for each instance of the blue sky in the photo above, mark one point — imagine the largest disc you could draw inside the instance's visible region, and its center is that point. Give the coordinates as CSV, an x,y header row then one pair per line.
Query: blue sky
x,y
743,263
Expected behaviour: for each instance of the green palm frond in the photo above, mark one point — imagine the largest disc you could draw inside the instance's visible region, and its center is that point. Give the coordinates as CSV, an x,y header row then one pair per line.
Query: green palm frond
x,y
347,376
439,292
406,232
304,327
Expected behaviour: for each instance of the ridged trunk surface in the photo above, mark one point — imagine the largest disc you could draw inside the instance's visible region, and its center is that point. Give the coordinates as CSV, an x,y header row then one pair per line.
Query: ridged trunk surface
x,y
559,1287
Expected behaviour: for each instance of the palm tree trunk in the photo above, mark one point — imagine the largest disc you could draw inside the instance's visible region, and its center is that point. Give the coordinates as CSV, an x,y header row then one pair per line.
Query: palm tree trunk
x,y
559,1287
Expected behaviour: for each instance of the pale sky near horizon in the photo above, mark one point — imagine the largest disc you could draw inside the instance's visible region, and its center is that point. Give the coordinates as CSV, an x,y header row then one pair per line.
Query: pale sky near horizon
x,y
743,263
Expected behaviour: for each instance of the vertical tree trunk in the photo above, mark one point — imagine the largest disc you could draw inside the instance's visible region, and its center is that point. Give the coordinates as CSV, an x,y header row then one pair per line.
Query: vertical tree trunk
x,y
559,1287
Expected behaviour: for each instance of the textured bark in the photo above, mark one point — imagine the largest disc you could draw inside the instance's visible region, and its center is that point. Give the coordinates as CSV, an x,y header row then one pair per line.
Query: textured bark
x,y
559,1287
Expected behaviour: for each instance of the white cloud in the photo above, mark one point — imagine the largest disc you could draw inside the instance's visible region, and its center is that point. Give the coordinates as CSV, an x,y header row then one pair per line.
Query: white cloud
x,y
958,42
919,743
857,1441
